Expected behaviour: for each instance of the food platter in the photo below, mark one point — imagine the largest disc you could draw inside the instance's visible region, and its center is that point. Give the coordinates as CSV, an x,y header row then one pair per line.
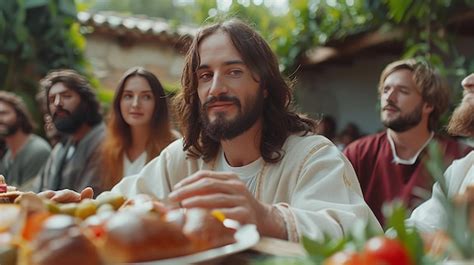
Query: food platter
x,y
245,237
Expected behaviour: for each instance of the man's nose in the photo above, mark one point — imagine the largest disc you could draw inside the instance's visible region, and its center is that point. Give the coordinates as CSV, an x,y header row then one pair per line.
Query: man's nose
x,y
468,82
218,86
57,100
390,95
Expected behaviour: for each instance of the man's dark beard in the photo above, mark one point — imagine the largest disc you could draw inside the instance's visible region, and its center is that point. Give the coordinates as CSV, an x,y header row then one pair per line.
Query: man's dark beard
x,y
223,129
462,120
10,129
404,123
70,123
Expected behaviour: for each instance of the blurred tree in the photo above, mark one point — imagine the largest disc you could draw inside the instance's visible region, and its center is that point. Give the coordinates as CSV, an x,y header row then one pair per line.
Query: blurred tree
x,y
35,37
168,9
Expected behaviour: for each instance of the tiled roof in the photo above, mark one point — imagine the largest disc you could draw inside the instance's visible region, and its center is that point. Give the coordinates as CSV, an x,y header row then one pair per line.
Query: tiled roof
x,y
136,26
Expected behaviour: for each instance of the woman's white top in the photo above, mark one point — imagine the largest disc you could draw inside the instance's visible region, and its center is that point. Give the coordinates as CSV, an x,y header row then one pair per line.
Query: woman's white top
x,y
132,168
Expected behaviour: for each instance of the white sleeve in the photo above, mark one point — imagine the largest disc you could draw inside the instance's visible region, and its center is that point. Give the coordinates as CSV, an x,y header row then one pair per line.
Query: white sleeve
x,y
431,215
327,199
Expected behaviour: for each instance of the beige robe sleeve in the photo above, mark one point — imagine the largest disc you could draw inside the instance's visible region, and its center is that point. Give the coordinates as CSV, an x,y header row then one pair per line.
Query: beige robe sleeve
x,y
323,194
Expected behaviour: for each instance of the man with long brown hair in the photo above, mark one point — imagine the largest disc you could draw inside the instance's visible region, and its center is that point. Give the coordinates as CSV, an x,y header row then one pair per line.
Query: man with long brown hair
x,y
74,163
27,153
244,151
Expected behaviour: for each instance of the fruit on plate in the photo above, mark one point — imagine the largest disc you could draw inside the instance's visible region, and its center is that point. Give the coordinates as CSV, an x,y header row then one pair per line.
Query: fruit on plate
x,y
9,214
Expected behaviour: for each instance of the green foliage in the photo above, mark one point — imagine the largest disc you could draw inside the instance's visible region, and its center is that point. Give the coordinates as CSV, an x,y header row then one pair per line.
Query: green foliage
x,y
37,36
408,236
167,9
311,23
355,241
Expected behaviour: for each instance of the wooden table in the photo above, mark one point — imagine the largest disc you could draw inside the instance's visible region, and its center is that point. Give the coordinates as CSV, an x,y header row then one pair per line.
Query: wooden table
x,y
267,247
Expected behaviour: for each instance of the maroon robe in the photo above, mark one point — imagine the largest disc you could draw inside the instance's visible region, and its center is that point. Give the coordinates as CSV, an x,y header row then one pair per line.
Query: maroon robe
x,y
382,180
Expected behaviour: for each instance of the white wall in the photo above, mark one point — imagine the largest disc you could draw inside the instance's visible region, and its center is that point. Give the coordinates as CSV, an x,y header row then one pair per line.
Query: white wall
x,y
110,60
346,91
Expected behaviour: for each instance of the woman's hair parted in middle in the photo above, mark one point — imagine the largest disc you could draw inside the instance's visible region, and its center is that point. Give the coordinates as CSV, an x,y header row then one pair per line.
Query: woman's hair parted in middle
x,y
119,135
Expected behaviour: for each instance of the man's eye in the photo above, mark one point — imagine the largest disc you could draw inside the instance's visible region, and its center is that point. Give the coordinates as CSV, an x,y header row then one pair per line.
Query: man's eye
x,y
236,72
205,76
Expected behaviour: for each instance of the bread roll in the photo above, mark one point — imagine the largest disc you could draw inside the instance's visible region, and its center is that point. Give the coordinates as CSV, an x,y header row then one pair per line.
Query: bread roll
x,y
62,242
132,237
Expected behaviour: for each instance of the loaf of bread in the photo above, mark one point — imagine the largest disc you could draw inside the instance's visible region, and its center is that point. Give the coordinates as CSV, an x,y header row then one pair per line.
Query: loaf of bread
x,y
61,242
136,238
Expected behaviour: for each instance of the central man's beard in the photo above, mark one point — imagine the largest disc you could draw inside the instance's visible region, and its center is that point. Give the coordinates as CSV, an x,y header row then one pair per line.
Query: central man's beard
x,y
462,120
70,123
222,128
405,122
10,129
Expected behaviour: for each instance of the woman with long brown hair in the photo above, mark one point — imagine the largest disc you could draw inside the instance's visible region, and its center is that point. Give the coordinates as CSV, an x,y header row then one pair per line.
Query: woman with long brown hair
x,y
138,125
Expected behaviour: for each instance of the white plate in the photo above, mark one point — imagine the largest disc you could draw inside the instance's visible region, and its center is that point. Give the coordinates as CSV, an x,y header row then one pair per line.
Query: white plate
x,y
246,236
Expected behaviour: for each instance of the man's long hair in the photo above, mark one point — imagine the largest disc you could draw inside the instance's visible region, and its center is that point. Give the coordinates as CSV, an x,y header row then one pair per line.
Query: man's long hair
x,y
73,80
24,119
278,120
119,135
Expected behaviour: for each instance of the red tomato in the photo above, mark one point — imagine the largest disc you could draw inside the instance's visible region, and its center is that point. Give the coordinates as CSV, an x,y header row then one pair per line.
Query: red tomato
x,y
348,258
387,251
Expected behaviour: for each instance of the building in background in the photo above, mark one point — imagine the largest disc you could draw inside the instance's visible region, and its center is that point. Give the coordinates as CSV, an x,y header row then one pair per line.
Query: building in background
x,y
117,42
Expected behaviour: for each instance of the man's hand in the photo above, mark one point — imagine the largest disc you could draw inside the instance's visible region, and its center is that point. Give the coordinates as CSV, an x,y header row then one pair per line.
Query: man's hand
x,y
64,196
225,192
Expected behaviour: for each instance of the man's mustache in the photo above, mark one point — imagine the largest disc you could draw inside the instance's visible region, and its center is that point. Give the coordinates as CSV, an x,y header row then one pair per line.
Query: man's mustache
x,y
220,98
391,105
60,110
